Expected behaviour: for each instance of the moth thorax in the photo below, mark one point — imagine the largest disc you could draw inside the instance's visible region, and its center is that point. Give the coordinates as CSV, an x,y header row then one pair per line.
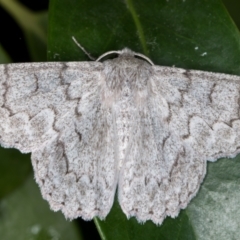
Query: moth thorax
x,y
124,126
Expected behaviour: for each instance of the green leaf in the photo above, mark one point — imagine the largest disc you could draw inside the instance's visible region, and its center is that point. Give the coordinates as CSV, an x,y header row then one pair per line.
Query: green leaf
x,y
233,8
25,215
175,32
4,58
116,226
14,169
215,211
192,34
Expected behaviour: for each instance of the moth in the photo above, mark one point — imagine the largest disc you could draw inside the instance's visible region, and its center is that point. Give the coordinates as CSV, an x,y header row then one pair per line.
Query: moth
x,y
125,124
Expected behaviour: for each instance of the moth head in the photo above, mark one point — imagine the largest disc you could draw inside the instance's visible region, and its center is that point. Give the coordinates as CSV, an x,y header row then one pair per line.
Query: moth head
x,y
125,53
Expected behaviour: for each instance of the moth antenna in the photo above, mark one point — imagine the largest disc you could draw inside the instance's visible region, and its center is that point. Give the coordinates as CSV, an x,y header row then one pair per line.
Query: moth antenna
x,y
107,53
83,49
144,57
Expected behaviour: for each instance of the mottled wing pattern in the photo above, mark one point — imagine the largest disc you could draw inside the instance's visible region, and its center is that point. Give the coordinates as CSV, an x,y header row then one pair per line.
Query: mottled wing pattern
x,y
203,110
53,110
91,126
190,117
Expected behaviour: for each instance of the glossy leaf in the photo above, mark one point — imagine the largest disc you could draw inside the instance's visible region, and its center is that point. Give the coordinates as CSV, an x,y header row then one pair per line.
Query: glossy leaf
x,y
4,58
25,215
14,169
191,34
